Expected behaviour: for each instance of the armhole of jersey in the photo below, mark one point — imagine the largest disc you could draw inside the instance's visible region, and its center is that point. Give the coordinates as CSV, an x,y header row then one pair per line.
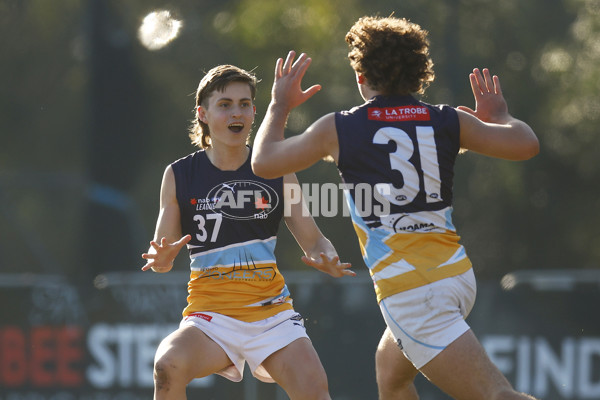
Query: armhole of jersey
x,y
177,179
456,127
341,143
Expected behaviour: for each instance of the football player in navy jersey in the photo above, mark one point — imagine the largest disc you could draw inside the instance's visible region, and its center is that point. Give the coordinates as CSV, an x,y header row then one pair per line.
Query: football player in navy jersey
x,y
239,308
404,150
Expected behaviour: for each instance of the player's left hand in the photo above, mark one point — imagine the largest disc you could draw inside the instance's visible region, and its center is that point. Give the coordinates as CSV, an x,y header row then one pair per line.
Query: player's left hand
x,y
490,105
330,266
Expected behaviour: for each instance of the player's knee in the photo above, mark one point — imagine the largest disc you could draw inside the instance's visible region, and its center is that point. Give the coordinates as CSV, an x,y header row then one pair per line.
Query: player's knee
x,y
165,371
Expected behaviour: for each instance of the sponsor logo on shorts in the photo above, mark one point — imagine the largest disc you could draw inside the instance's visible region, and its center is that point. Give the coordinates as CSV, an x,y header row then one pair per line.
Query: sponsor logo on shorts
x,y
399,343
200,315
297,320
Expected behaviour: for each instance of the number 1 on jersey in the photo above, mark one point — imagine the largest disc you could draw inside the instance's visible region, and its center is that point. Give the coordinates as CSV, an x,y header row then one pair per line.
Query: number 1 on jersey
x,y
400,161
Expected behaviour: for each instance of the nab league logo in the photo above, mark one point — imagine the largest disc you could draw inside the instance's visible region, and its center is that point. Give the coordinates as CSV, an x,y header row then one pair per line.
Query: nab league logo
x,y
244,199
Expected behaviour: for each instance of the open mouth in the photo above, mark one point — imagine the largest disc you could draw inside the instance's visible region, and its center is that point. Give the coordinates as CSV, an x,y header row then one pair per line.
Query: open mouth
x,y
236,127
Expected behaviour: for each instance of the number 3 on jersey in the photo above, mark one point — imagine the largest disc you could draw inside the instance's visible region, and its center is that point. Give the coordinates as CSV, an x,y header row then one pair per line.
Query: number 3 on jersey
x,y
429,172
203,235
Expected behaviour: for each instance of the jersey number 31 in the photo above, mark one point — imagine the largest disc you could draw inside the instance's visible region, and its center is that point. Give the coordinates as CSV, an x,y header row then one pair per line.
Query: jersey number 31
x,y
429,172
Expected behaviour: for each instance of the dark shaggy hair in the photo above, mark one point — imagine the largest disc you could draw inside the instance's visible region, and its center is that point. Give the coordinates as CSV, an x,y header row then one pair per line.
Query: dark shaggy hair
x,y
392,54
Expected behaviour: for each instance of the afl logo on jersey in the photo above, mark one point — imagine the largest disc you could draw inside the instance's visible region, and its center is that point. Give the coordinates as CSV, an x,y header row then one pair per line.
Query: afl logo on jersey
x,y
244,199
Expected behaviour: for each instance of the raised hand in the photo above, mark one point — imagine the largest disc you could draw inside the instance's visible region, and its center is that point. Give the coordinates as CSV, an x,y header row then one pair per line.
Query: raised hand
x,y
161,260
330,266
490,105
287,86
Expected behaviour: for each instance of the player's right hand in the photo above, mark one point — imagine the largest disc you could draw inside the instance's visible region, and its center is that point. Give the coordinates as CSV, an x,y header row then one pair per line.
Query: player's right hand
x,y
161,257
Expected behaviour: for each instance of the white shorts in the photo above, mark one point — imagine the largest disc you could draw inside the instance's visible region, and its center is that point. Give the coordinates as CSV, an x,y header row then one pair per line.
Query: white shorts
x,y
250,342
426,319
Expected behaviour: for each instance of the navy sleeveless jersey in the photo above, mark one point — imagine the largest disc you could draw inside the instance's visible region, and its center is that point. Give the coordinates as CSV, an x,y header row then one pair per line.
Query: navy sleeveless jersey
x,y
233,218
396,158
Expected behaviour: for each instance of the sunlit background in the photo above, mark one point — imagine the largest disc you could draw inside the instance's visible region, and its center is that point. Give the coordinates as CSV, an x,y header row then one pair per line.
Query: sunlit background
x,y
96,99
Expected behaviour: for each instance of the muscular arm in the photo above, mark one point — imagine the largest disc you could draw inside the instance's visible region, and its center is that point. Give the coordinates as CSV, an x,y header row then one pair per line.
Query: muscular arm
x,y
167,240
513,140
274,156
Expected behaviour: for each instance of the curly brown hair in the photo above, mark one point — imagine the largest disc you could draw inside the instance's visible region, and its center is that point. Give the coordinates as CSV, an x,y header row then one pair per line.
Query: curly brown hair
x,y
392,54
216,80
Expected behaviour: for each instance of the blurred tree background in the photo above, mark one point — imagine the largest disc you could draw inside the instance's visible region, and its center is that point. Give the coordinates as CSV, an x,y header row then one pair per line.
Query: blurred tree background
x,y
89,118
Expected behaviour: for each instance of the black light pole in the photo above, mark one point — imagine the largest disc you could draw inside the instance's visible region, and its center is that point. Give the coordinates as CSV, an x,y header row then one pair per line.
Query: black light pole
x,y
114,144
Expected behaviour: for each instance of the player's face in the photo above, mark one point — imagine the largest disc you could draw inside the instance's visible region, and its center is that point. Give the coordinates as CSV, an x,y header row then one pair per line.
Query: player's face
x,y
229,114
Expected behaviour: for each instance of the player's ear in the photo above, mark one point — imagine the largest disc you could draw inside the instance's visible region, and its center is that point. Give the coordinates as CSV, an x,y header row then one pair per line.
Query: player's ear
x,y
201,113
360,78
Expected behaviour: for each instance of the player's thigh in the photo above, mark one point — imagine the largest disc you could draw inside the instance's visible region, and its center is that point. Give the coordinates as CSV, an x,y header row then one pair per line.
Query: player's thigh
x,y
464,371
392,367
297,367
190,353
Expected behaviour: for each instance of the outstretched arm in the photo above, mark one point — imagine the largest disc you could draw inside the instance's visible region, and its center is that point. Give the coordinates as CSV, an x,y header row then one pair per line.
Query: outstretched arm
x,y
490,129
274,156
167,240
319,253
